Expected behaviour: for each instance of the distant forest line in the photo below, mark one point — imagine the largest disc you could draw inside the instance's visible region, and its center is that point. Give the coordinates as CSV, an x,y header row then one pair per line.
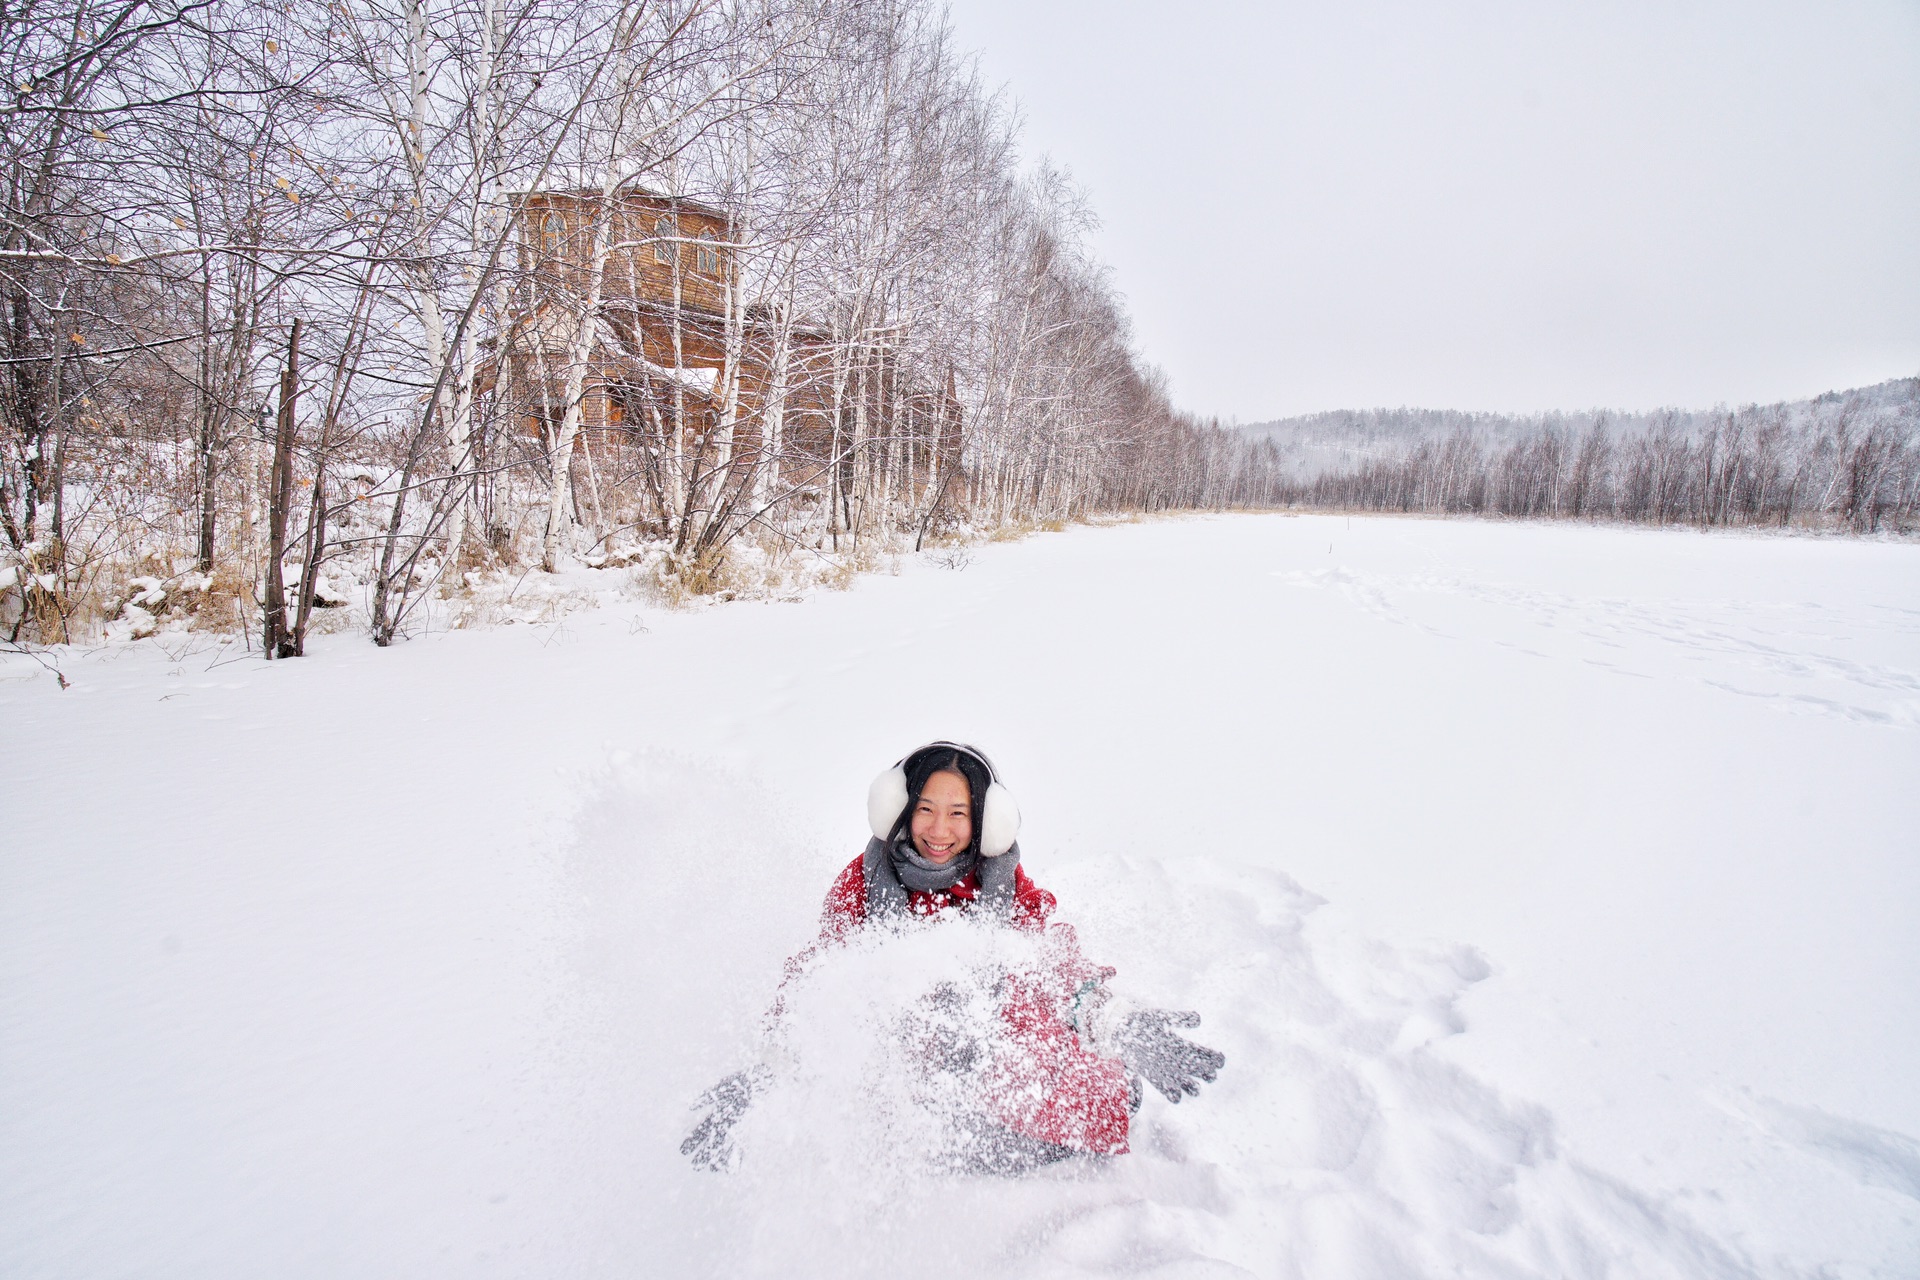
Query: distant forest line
x,y
1846,460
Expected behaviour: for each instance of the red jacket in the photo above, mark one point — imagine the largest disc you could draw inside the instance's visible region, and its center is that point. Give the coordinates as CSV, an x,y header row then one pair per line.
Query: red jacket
x,y
1053,1087
846,905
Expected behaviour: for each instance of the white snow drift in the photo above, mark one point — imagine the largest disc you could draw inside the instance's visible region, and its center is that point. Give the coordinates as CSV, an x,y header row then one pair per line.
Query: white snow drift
x,y
1550,890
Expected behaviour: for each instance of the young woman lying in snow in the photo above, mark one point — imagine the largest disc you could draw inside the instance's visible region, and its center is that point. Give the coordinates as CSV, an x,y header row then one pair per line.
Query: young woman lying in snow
x,y
1064,1070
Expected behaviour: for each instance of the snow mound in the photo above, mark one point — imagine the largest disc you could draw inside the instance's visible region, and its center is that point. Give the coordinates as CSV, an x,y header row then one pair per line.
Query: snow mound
x,y
1336,1143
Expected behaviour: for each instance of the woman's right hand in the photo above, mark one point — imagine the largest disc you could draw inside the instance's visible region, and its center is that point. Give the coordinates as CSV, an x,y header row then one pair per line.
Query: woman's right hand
x,y
726,1102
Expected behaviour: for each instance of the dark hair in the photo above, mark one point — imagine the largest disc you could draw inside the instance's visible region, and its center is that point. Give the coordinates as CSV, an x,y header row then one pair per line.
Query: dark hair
x,y
926,762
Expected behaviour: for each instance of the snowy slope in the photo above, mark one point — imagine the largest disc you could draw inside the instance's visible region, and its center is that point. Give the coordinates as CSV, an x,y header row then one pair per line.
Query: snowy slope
x,y
1550,889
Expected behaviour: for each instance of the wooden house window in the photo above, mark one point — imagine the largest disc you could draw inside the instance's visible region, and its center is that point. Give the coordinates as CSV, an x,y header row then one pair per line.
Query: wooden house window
x,y
666,230
707,257
553,232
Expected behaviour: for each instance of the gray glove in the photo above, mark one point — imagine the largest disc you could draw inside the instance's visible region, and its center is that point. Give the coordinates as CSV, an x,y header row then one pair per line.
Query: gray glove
x,y
726,1102
1170,1063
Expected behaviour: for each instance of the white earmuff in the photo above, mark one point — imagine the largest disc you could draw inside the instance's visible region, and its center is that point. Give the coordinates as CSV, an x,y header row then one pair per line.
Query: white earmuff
x,y
885,799
999,816
999,821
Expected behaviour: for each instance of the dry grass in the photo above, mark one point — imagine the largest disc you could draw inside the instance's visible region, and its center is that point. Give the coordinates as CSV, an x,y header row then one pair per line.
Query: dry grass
x,y
226,603
487,589
472,609
680,583
779,570
864,558
1019,530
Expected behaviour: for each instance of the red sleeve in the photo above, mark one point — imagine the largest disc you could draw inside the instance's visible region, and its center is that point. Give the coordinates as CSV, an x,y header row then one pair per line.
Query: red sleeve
x,y
846,906
1052,1087
1031,904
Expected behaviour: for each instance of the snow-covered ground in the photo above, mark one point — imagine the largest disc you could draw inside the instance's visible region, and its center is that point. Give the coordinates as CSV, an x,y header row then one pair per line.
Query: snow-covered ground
x,y
1552,891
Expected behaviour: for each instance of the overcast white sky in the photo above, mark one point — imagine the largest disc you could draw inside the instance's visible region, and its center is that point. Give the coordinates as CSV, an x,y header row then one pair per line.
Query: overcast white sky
x,y
1511,205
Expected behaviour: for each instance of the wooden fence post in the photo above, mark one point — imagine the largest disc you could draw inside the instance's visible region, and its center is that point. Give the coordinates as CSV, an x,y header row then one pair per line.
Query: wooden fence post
x,y
277,639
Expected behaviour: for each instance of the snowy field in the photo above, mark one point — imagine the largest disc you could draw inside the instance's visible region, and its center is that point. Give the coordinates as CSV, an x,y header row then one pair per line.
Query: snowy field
x,y
1553,891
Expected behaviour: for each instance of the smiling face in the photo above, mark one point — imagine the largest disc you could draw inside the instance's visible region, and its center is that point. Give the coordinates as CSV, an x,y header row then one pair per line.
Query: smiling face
x,y
943,817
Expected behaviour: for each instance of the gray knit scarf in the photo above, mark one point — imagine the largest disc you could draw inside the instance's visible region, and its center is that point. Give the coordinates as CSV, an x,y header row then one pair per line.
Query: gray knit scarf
x,y
894,873
922,876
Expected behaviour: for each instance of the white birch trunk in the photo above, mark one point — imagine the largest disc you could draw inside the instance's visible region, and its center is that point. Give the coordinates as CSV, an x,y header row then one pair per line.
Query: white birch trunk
x,y
482,229
586,336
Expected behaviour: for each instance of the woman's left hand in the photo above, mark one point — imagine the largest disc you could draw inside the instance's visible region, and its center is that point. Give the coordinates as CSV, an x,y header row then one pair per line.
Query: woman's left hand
x,y
1170,1063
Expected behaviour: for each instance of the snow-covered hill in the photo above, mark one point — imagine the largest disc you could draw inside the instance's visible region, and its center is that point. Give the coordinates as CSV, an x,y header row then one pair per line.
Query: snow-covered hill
x,y
1342,439
1550,889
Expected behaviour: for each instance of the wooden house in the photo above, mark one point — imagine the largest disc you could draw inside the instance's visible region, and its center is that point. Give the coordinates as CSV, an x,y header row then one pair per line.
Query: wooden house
x,y
656,375
663,302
